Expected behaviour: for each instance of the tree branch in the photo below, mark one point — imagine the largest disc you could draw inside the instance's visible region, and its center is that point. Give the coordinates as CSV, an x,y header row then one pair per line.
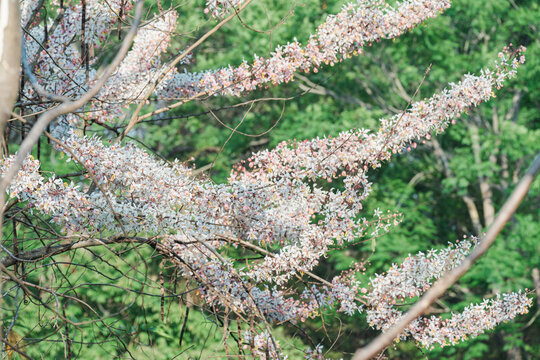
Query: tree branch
x,y
51,250
69,106
505,214
135,117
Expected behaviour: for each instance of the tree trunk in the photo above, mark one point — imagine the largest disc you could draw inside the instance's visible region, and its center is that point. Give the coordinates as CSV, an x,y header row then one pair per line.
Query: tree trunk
x,y
10,60
485,189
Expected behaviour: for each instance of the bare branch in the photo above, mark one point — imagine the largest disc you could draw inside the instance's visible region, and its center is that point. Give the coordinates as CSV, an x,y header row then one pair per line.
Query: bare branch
x,y
75,243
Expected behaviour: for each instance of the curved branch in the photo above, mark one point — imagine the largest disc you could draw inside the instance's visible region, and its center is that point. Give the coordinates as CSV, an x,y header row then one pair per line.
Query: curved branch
x,y
51,250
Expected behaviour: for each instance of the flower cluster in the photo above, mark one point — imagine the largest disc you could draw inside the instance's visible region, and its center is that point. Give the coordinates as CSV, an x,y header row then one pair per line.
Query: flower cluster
x,y
63,68
353,152
416,273
63,201
414,276
263,345
59,65
339,37
314,354
55,52
139,69
472,321
27,7
222,8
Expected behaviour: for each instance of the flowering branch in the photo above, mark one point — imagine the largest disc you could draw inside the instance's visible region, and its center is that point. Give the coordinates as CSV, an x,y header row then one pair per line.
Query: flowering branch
x,y
340,37
268,201
135,117
65,108
504,215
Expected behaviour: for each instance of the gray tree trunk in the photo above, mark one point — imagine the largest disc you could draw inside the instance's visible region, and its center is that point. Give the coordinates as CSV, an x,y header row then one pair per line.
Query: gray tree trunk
x,y
10,60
